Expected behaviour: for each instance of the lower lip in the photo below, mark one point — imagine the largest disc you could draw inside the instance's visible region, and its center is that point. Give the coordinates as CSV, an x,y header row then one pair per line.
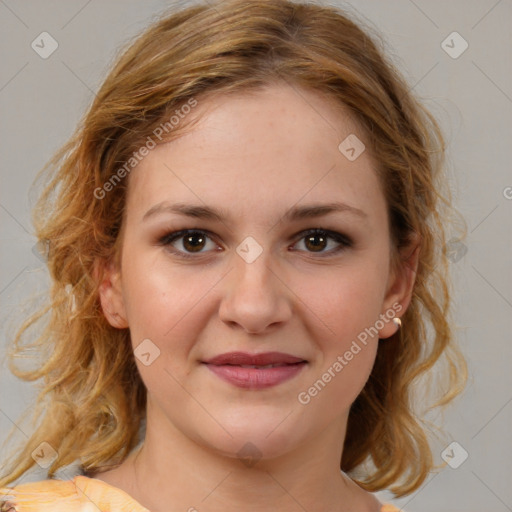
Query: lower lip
x,y
256,378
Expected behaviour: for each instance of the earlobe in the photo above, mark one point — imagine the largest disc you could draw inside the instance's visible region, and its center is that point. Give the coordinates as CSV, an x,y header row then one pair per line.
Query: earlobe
x,y
110,294
401,286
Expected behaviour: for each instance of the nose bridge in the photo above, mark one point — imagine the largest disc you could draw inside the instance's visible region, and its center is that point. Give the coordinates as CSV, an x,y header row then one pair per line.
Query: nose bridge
x,y
255,296
253,264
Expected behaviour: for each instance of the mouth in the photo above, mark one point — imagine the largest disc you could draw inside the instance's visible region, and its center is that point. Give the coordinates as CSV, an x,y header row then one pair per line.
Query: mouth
x,y
255,371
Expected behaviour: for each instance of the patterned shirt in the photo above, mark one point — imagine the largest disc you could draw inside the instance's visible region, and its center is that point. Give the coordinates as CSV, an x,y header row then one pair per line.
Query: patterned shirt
x,y
81,494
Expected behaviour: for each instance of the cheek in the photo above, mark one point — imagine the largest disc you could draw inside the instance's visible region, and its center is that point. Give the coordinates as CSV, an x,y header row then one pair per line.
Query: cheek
x,y
344,308
164,307
348,307
163,302
346,300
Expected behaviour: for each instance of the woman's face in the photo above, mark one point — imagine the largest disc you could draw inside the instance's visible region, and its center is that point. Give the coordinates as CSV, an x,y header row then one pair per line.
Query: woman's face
x,y
252,278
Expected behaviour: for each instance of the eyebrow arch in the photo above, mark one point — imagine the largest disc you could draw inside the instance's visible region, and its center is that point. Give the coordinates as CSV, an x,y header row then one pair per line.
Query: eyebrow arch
x,y
219,215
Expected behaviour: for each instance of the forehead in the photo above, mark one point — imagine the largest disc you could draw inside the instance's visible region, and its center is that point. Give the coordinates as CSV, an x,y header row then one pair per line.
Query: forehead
x,y
260,151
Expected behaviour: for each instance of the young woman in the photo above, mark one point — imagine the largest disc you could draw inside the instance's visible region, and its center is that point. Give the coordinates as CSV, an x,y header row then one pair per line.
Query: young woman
x,y
246,242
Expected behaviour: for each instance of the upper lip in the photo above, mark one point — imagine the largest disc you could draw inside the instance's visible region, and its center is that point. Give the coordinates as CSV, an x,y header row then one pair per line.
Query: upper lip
x,y
244,358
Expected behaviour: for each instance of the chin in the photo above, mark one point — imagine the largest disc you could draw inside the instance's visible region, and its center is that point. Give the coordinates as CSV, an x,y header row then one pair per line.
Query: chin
x,y
255,439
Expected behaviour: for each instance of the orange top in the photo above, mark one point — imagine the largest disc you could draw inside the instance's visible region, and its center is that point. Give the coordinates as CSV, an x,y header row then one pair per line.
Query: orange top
x,y
81,494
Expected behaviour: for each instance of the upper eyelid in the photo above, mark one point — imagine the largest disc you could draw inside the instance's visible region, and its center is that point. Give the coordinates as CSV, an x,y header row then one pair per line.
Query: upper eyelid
x,y
179,234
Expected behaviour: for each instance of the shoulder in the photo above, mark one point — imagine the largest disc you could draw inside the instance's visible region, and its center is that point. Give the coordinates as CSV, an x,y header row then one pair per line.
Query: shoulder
x,y
40,496
82,494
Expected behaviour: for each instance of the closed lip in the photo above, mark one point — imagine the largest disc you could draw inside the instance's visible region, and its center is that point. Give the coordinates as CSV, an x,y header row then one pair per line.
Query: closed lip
x,y
263,359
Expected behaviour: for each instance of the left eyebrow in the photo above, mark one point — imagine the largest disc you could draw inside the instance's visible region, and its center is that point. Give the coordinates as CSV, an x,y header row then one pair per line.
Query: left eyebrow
x,y
320,210
294,213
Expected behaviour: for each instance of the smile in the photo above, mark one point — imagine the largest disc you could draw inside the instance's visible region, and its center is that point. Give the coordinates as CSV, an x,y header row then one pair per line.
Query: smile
x,y
255,371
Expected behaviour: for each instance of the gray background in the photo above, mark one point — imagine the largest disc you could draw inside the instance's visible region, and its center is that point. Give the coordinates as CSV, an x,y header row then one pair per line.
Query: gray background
x,y
42,100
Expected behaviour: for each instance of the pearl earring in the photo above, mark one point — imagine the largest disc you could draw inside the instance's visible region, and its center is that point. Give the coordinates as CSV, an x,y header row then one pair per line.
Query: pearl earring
x,y
397,322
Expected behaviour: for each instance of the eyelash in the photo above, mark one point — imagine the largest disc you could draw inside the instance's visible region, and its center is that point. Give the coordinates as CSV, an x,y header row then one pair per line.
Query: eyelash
x,y
345,241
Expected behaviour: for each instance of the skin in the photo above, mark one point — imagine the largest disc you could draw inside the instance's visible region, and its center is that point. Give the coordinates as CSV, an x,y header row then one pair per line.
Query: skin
x,y
255,155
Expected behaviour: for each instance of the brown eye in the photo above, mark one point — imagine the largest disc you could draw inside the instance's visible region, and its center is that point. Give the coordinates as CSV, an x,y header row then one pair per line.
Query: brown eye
x,y
317,240
187,242
194,242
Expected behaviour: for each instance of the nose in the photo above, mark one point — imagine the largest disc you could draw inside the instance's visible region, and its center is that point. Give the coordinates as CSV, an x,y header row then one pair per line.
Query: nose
x,y
255,296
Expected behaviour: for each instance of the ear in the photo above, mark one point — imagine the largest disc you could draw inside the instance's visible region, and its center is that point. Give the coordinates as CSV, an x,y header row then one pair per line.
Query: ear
x,y
401,284
110,293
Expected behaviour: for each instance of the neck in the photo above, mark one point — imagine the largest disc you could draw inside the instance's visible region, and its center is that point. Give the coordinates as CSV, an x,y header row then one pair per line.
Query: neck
x,y
170,469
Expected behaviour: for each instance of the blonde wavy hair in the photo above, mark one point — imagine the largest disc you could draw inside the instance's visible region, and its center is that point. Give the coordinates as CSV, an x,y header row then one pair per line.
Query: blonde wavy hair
x,y
91,401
